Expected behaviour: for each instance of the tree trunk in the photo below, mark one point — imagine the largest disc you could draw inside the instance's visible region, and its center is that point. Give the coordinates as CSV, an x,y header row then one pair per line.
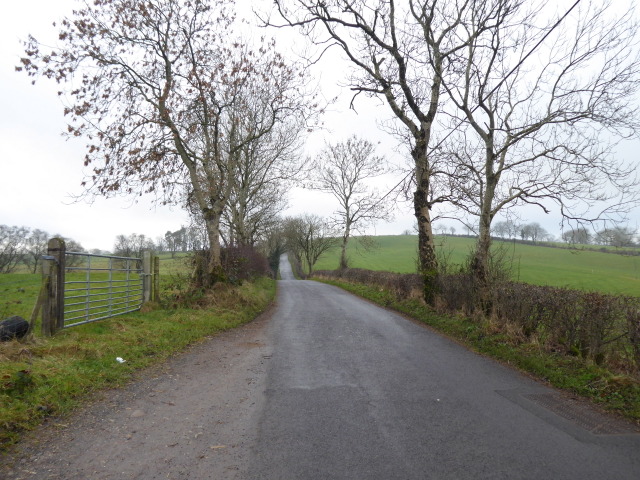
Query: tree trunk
x,y
212,272
427,260
343,254
309,265
480,264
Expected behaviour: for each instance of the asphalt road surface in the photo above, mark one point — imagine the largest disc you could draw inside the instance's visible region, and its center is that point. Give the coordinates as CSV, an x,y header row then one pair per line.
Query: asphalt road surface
x,y
357,392
333,387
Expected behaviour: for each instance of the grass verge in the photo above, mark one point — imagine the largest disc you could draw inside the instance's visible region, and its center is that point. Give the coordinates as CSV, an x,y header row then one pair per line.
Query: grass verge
x,y
613,392
44,377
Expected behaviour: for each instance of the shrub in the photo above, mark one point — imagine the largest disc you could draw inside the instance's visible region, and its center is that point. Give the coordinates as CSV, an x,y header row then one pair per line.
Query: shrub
x,y
244,263
238,264
632,314
402,285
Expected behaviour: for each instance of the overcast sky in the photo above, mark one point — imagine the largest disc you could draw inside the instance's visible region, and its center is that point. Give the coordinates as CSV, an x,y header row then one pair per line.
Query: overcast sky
x,y
40,171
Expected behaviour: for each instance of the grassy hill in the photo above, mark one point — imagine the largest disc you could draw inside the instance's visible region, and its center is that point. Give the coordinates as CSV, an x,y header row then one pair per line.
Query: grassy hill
x,y
579,269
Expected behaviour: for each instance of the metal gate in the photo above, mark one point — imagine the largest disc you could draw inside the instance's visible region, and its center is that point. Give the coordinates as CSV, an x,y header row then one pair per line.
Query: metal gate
x,y
101,286
81,287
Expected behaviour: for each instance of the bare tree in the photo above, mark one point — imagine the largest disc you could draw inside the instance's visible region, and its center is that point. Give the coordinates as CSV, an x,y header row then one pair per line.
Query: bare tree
x,y
161,244
617,236
506,229
540,105
534,231
578,235
35,247
273,244
265,170
345,170
308,237
132,245
501,229
400,54
158,87
12,247
171,242
196,238
72,245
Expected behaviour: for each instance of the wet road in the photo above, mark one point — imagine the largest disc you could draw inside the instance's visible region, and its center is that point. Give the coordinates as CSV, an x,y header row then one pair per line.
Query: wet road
x,y
356,392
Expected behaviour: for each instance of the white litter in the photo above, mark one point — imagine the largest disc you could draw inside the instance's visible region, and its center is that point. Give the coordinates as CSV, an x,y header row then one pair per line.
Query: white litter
x,y
120,360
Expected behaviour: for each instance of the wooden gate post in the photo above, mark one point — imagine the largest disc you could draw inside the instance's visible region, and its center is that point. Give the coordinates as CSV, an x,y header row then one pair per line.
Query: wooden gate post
x,y
146,276
53,266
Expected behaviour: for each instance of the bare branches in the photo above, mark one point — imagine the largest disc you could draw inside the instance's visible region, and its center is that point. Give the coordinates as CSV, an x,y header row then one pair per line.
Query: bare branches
x,y
542,129
308,237
168,96
400,52
345,171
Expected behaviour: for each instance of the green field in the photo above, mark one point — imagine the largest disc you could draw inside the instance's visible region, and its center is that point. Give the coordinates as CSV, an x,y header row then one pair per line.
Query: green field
x,y
579,269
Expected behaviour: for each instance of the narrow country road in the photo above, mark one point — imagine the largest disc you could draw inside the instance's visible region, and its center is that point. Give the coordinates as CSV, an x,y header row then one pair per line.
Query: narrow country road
x,y
357,392
333,387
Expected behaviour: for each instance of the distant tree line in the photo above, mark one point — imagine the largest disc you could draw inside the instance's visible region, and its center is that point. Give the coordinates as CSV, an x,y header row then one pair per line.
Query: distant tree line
x,y
22,246
617,236
613,236
183,240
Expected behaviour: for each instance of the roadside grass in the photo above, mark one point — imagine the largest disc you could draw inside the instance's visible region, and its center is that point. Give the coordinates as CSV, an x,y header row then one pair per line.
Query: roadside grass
x,y
539,265
44,377
612,391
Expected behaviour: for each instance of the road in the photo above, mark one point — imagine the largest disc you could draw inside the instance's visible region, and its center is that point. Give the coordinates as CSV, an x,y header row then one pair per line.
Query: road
x,y
333,387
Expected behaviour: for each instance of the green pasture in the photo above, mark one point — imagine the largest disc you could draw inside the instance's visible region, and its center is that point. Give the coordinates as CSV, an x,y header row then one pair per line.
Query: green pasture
x,y
18,294
572,268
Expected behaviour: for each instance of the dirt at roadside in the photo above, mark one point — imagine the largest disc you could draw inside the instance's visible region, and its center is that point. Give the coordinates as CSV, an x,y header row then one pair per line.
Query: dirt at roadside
x,y
193,417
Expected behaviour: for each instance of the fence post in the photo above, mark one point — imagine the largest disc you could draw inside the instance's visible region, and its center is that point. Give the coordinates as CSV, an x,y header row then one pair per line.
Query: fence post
x,y
47,271
53,267
156,278
146,276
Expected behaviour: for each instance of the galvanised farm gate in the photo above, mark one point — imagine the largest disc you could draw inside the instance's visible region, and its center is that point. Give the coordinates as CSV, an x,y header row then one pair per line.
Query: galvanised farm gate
x,y
80,287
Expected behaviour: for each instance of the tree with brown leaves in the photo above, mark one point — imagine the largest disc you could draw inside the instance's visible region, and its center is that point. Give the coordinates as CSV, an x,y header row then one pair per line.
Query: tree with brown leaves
x,y
159,89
